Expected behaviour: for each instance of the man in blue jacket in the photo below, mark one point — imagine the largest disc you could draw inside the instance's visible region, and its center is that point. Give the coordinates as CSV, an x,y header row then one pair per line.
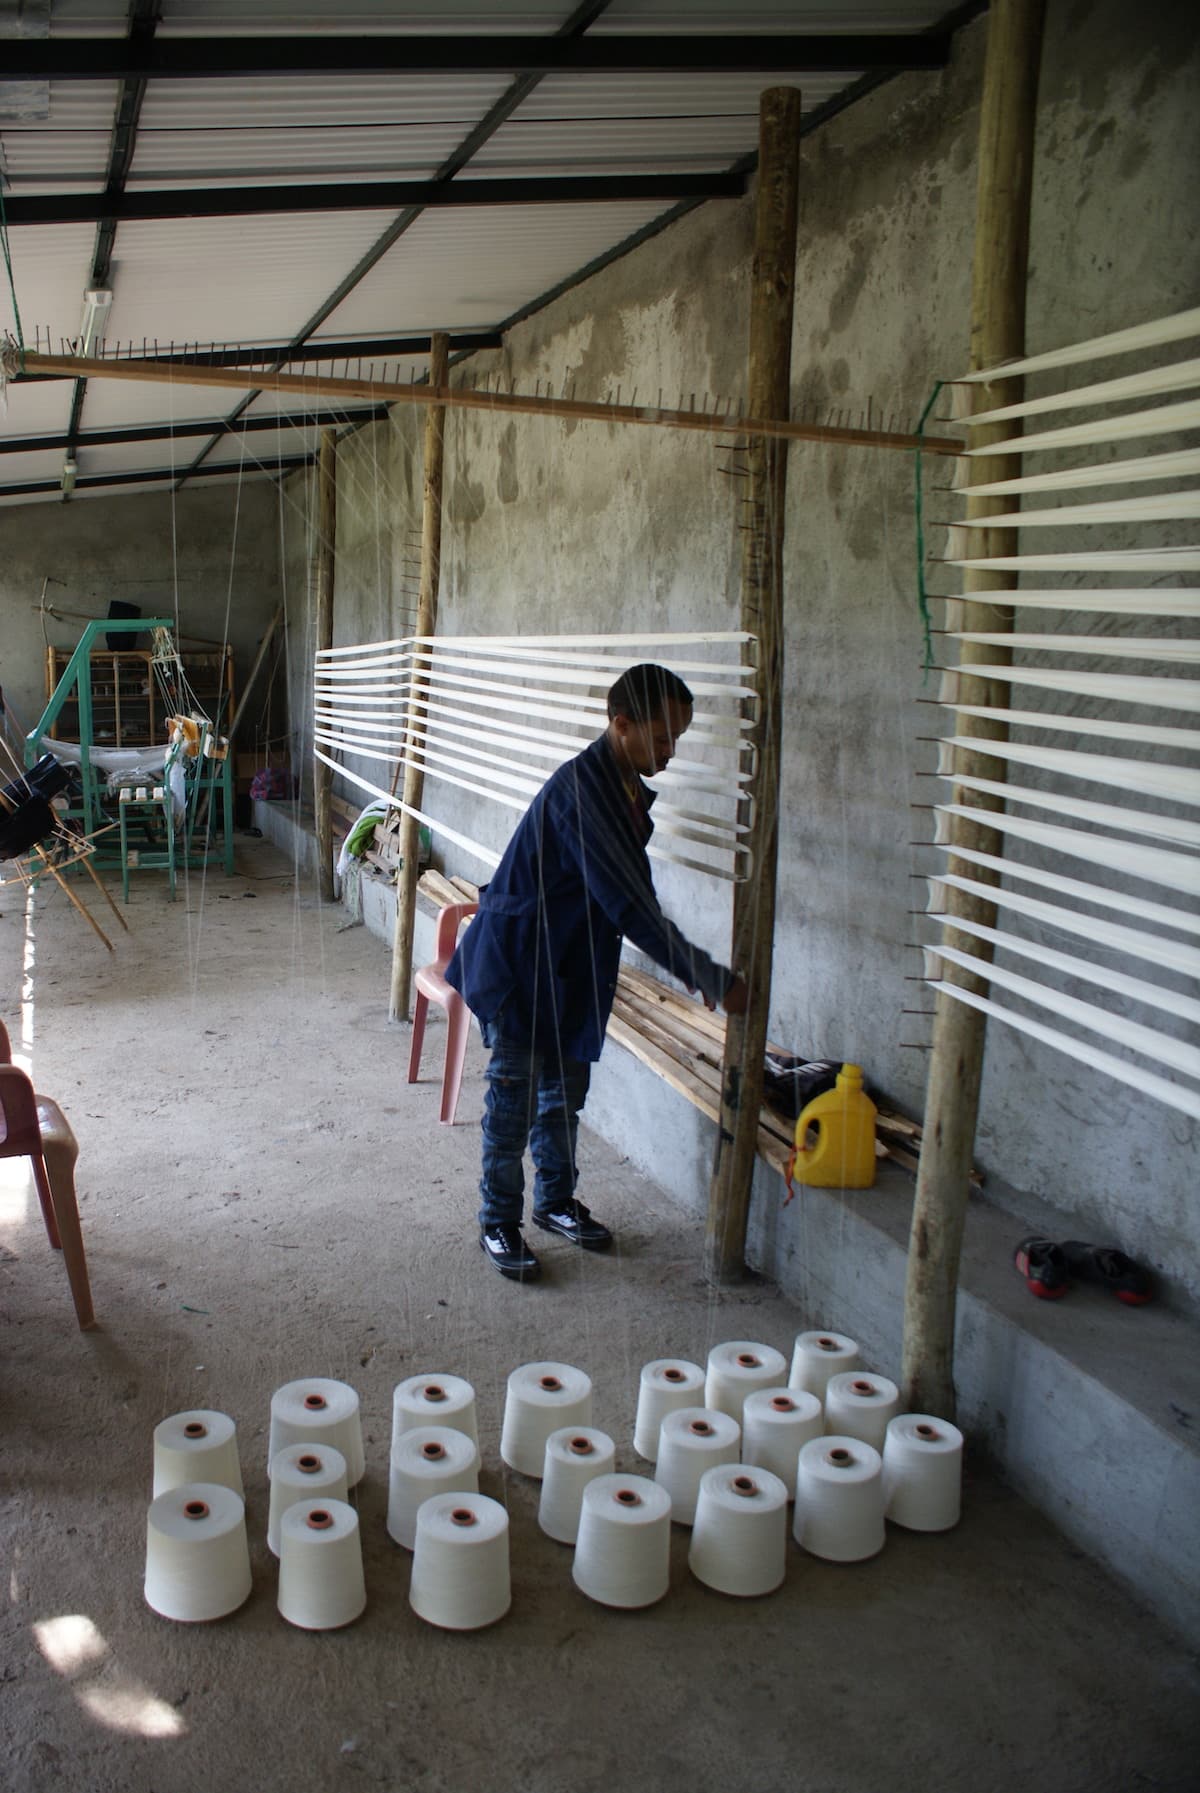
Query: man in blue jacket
x,y
538,964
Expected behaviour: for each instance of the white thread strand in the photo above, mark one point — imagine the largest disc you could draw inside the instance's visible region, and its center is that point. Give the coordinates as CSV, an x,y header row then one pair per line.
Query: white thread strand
x,y
434,1400
735,1369
776,1424
197,1558
666,1385
922,1472
321,1583
839,1500
692,1440
460,1573
575,1456
739,1540
426,1461
1176,328
816,1356
303,1472
623,1553
318,1410
540,1398
196,1446
859,1405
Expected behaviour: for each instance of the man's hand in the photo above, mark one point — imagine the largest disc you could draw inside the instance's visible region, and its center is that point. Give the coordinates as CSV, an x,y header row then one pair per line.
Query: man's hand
x,y
736,998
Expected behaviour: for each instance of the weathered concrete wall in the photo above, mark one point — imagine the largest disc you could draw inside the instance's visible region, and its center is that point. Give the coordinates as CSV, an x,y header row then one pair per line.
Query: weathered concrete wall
x,y
585,527
186,559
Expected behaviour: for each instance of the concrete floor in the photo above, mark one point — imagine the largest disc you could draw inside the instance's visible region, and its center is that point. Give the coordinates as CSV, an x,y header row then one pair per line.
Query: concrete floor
x,y
263,1197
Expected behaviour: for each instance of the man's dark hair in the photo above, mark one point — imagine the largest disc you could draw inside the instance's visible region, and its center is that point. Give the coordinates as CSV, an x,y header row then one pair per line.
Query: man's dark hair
x,y
644,692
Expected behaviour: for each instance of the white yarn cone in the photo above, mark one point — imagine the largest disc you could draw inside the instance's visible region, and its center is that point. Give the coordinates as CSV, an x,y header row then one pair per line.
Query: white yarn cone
x,y
303,1472
575,1456
859,1404
196,1446
817,1356
922,1472
318,1411
434,1400
839,1500
776,1422
667,1384
426,1461
197,1559
460,1574
541,1397
623,1553
321,1583
739,1540
736,1369
692,1440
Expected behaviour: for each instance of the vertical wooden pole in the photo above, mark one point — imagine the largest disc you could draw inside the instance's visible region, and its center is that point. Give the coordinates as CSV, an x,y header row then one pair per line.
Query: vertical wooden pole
x,y
325,563
1006,145
768,395
427,602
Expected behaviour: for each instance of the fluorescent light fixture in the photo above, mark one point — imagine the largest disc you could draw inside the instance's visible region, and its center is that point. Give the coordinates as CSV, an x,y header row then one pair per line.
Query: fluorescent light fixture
x,y
96,301
70,469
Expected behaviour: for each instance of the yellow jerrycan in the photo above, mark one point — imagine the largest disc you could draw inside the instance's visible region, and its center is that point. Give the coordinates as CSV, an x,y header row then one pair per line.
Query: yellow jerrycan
x,y
844,1155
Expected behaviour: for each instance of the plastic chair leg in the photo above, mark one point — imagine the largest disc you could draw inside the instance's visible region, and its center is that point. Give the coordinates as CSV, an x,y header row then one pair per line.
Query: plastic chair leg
x,y
458,1028
60,1155
41,1183
420,1010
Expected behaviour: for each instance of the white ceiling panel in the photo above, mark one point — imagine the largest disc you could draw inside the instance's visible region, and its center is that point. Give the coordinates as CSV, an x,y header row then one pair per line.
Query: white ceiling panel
x,y
608,145
229,18
261,450
76,159
665,96
118,404
285,152
45,463
50,267
316,101
34,410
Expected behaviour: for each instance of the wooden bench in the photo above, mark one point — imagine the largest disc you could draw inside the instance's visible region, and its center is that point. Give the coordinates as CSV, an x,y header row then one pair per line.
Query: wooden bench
x,y
683,1042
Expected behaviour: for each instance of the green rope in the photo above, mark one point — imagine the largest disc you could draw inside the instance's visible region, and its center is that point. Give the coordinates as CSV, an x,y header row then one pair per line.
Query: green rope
x,y
919,508
11,283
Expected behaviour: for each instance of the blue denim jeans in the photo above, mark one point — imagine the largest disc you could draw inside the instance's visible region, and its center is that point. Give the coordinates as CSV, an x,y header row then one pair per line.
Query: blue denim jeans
x,y
534,1099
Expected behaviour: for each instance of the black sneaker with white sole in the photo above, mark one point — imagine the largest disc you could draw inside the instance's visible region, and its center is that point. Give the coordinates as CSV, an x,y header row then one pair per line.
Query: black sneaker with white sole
x,y
576,1223
506,1249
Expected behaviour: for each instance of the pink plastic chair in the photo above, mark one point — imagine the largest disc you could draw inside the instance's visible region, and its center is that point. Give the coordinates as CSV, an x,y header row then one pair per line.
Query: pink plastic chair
x,y
36,1128
432,987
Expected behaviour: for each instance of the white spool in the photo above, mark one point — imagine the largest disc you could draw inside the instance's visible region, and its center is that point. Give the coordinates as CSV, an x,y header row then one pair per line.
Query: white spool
x,y
434,1400
196,1446
859,1404
922,1472
321,1583
460,1574
428,1460
303,1472
319,1411
667,1384
541,1397
776,1423
575,1456
736,1369
839,1500
197,1559
816,1356
692,1440
623,1554
739,1540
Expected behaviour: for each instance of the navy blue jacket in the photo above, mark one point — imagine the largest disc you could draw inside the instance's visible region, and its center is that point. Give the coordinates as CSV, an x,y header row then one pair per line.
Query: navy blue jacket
x,y
575,879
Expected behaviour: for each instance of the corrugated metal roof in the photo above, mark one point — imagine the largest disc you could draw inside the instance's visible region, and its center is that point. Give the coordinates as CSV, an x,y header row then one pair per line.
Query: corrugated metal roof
x,y
341,274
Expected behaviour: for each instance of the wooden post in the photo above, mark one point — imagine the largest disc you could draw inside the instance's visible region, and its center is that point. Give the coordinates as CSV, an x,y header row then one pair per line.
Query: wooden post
x,y
1006,142
414,776
325,564
761,522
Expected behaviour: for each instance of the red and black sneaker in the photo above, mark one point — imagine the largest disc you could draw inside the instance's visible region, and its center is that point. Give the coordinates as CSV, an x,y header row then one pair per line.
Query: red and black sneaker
x,y
1042,1264
1111,1268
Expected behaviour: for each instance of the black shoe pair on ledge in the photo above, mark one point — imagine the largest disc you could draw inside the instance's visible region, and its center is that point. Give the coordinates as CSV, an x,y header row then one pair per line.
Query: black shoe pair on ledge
x,y
1048,1269
504,1246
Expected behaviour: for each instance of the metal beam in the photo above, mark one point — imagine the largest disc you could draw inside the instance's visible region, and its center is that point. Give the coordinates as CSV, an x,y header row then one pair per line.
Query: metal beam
x,y
205,58
204,426
350,196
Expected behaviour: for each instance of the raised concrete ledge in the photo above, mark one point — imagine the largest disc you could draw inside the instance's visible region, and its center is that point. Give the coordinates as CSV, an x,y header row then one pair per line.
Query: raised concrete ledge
x,y
1090,1409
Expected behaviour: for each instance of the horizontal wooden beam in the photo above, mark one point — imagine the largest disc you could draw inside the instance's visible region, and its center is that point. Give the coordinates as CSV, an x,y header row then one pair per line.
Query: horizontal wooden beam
x,y
254,357
286,53
316,386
